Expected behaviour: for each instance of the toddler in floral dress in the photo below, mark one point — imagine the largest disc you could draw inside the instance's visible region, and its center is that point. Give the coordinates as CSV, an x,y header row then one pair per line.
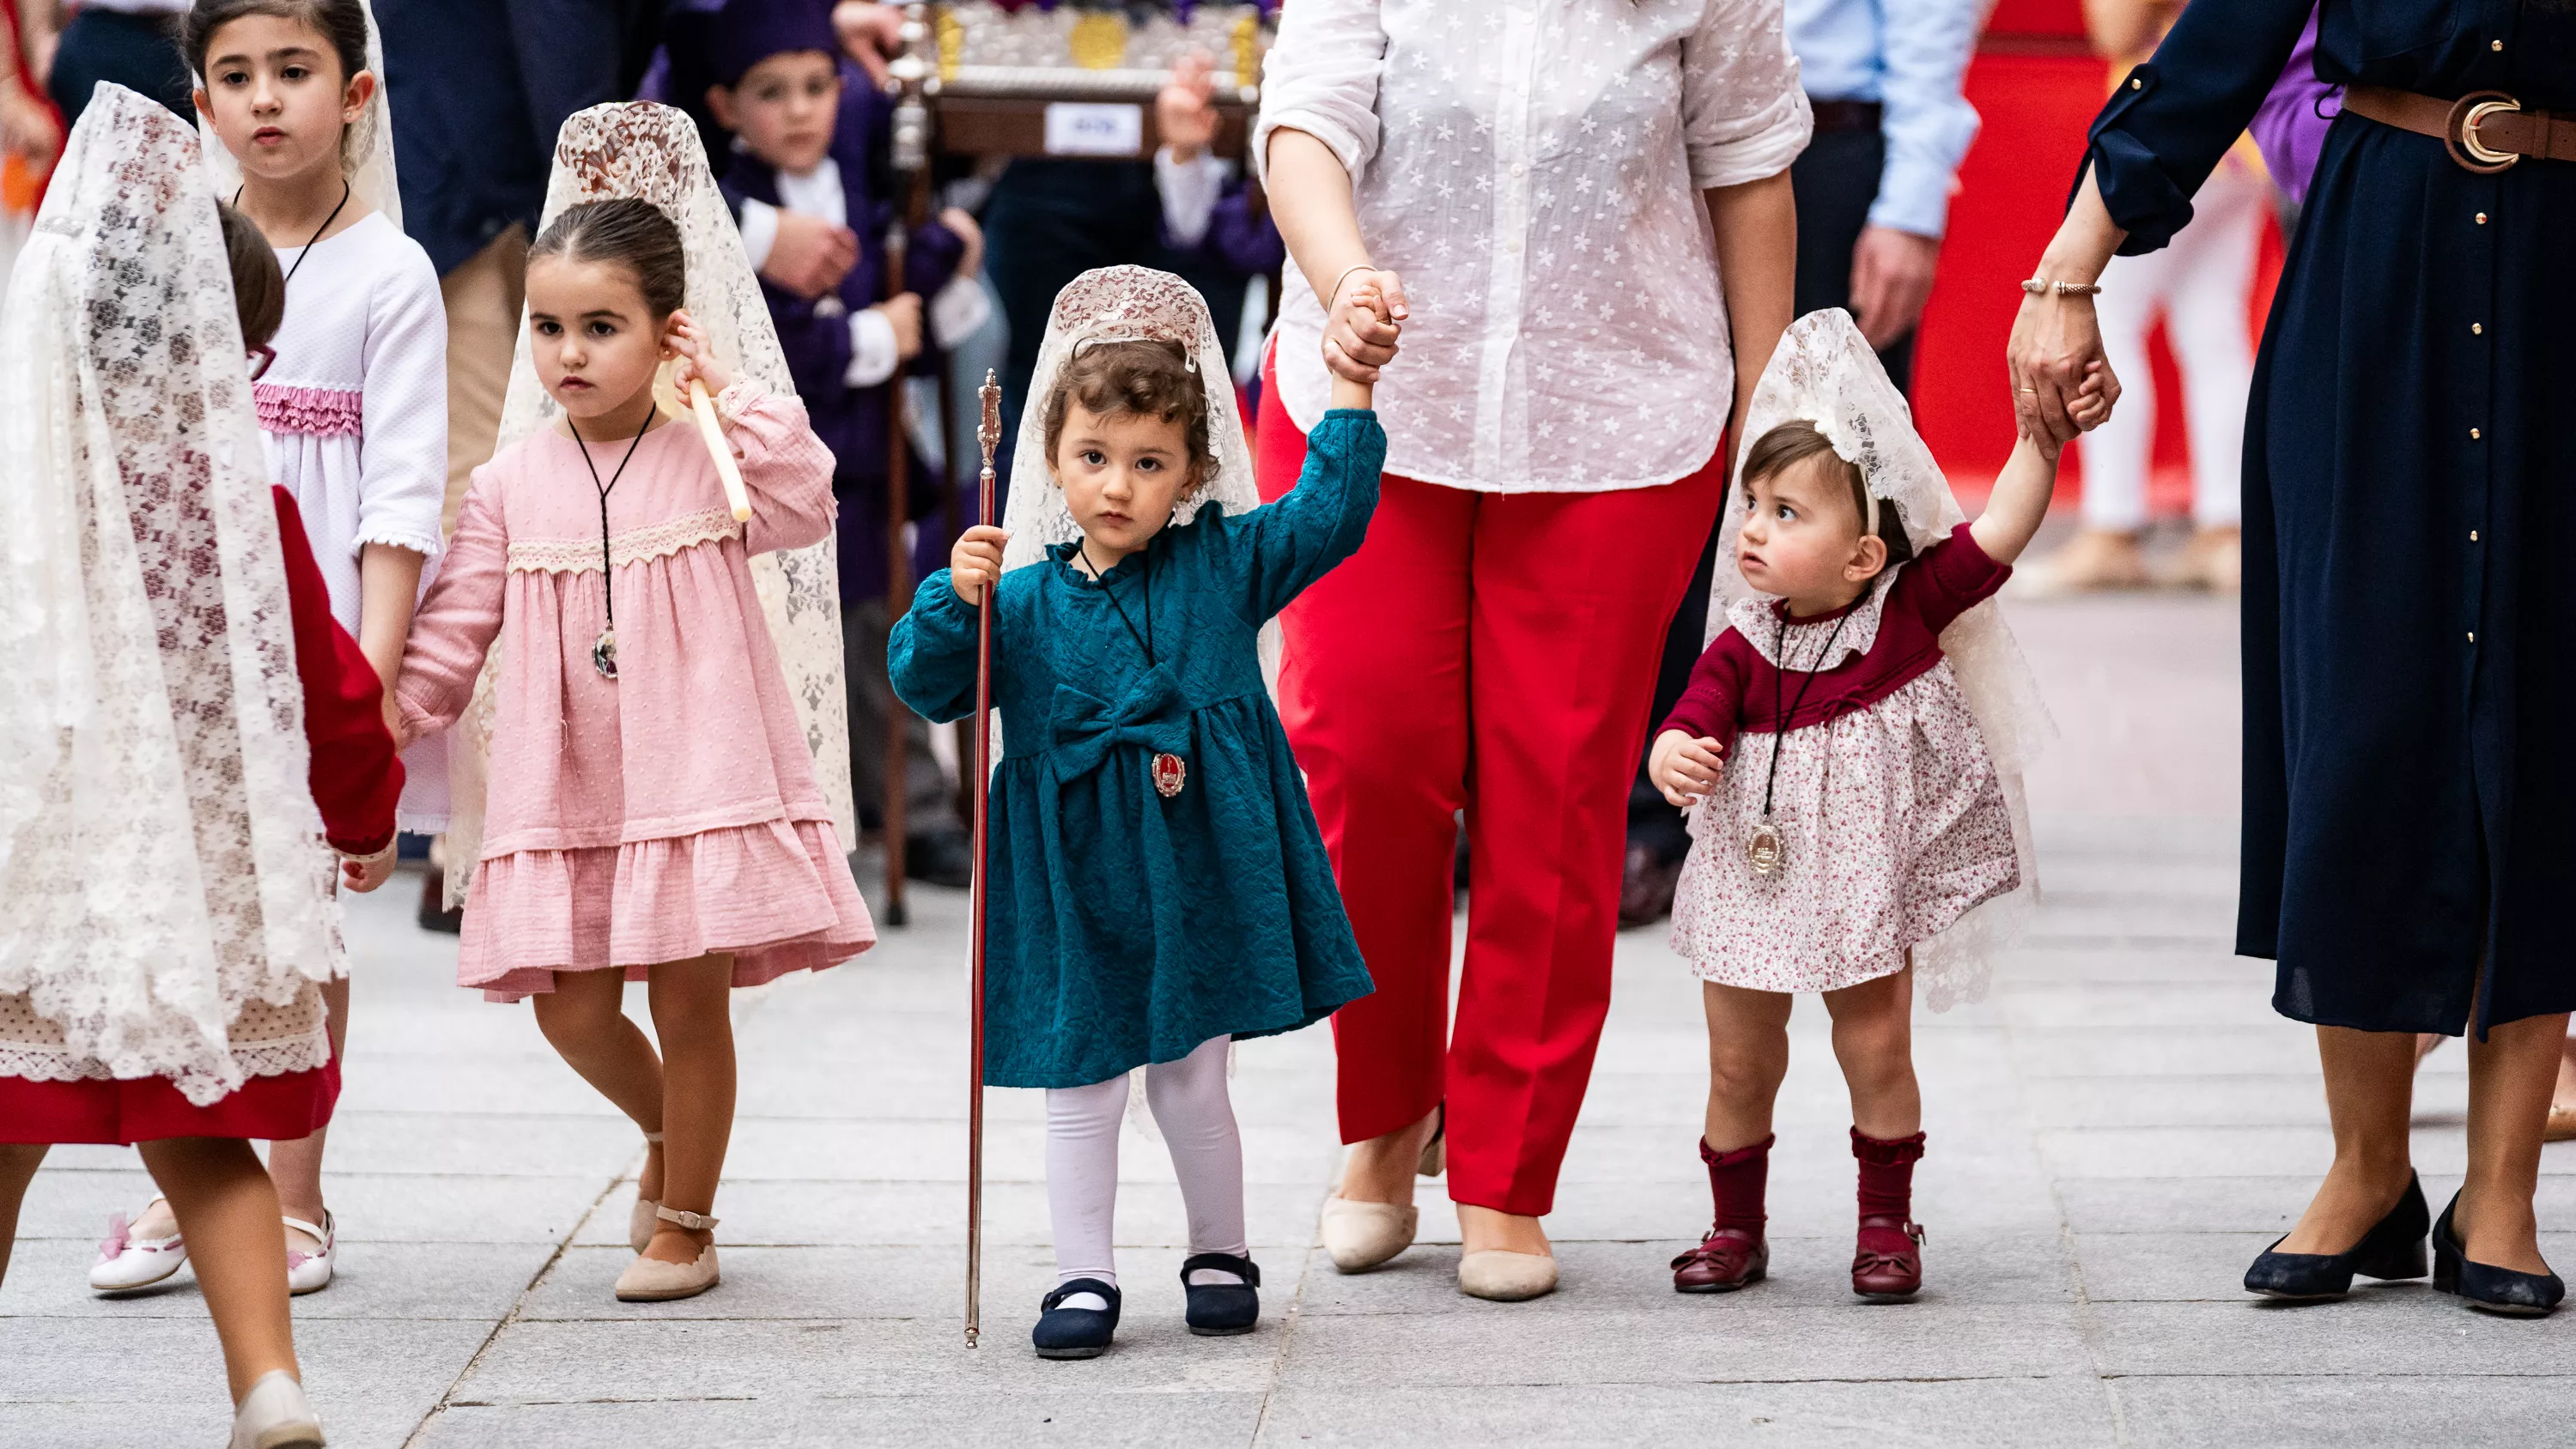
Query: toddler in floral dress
x,y
1847,808
653,811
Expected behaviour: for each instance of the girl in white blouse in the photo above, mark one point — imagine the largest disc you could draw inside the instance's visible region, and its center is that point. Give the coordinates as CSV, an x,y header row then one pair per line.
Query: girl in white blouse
x,y
1588,204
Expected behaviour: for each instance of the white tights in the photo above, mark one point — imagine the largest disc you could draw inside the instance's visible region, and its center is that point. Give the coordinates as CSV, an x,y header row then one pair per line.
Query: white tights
x,y
1197,1120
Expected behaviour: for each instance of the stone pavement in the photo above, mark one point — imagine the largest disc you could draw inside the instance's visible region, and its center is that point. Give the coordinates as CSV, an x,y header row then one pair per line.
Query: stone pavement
x,y
2114,1132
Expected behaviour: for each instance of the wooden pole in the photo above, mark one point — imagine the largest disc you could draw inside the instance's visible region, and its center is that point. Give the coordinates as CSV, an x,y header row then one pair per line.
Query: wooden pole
x,y
989,433
898,598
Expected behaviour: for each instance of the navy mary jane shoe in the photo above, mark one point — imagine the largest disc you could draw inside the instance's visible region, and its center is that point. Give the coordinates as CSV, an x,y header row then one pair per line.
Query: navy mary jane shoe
x,y
1221,1310
1063,1332
2393,1248
2484,1286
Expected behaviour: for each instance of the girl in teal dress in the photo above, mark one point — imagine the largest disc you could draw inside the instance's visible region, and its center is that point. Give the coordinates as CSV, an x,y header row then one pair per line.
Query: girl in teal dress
x,y
1158,887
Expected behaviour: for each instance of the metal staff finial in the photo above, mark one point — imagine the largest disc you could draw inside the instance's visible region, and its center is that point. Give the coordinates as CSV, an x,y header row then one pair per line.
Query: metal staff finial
x,y
989,433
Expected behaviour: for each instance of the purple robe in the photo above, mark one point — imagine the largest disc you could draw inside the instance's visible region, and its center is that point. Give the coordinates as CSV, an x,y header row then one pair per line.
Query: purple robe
x,y
853,421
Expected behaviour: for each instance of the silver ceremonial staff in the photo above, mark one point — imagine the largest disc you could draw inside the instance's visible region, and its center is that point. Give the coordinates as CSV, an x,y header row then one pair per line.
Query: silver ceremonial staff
x,y
989,433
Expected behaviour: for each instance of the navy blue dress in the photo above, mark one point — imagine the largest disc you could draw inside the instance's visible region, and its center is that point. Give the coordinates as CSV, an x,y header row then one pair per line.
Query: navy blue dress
x,y
1126,926
2410,450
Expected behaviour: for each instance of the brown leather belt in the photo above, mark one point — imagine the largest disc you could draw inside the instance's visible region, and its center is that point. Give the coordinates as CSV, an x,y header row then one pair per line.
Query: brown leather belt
x,y
1836,116
2487,131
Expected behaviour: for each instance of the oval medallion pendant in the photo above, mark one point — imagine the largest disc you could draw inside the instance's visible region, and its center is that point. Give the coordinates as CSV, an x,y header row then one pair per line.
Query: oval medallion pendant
x,y
603,654
1170,774
1763,849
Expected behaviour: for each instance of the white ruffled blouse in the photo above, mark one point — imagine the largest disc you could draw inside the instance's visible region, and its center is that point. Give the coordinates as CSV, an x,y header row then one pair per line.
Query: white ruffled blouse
x,y
1533,169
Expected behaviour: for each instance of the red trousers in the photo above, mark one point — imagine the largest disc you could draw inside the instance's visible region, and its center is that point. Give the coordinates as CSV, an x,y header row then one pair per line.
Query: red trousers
x,y
1492,653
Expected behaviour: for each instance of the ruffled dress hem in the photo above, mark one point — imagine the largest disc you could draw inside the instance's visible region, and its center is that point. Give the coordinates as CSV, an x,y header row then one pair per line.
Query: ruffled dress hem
x,y
777,894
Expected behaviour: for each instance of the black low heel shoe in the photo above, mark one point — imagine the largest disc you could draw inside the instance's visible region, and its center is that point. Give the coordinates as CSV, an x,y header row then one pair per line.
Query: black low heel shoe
x,y
2484,1286
1221,1310
2393,1248
1075,1332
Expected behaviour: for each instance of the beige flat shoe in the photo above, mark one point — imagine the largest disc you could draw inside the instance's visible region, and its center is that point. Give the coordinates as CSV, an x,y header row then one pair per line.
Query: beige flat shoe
x,y
276,1415
1361,1235
650,1280
639,1223
1506,1277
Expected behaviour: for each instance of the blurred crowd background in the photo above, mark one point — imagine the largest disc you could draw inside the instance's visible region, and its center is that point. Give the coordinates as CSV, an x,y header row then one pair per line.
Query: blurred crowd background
x,y
1947,133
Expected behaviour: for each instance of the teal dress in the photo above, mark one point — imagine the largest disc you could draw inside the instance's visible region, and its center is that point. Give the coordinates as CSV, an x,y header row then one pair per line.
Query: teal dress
x,y
1127,926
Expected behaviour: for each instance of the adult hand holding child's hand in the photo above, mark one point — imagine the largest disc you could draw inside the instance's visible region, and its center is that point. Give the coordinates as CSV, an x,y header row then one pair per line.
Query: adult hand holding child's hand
x,y
976,562
1684,768
1362,322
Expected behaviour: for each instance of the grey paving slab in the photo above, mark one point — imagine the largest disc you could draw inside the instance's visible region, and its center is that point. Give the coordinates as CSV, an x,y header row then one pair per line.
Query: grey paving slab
x,y
2113,1132
1036,1419
2394,1410
1957,1414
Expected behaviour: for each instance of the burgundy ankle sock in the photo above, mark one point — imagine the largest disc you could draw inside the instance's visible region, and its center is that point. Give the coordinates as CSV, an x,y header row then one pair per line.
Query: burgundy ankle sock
x,y
1736,1181
1887,1174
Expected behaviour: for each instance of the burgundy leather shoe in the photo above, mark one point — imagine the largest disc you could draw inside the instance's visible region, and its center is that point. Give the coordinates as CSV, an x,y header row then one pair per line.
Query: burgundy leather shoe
x,y
1724,1261
1889,1265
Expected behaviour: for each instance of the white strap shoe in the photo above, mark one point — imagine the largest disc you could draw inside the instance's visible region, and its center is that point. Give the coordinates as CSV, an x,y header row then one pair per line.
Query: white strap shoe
x,y
639,1223
276,1415
310,1272
126,1262
650,1280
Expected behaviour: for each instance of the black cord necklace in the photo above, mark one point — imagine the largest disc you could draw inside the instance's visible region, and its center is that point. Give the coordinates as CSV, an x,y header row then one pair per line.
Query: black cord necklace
x,y
310,242
1764,848
603,652
1145,640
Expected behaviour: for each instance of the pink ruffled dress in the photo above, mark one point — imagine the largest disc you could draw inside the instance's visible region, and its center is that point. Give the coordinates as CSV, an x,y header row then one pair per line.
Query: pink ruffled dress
x,y
672,811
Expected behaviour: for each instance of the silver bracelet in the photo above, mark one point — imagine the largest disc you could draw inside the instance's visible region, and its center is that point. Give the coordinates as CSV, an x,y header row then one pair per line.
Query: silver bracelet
x,y
1335,295
2038,285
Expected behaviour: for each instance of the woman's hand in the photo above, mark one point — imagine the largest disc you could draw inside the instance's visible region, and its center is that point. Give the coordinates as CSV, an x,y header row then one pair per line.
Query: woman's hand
x,y
697,360
2055,359
976,562
1361,323
1684,768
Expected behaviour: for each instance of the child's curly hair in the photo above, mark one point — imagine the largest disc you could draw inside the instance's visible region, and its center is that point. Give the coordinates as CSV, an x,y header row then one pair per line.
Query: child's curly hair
x,y
1144,378
1796,441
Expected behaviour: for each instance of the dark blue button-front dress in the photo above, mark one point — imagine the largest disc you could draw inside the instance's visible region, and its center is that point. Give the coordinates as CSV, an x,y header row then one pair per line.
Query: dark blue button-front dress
x,y
2410,469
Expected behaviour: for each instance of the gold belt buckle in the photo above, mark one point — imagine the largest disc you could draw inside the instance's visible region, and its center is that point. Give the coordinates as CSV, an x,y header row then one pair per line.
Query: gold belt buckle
x,y
2467,114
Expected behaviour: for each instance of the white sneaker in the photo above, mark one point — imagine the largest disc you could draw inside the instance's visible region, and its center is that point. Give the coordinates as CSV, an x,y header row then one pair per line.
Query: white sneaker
x,y
310,1272
127,1262
276,1415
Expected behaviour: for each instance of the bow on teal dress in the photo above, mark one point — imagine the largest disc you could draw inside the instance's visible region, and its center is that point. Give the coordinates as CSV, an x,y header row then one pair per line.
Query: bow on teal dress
x,y
1128,926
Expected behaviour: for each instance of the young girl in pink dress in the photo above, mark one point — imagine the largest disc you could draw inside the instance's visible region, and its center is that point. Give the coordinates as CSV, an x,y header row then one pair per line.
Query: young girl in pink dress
x,y
653,811
1856,796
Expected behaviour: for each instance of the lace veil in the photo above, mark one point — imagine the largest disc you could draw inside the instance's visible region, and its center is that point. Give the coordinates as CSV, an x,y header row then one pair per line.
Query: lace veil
x,y
1126,304
369,146
157,854
652,152
1825,372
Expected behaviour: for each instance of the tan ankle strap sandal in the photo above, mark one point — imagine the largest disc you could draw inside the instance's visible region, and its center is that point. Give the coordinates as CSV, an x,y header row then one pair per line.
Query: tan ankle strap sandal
x,y
694,1222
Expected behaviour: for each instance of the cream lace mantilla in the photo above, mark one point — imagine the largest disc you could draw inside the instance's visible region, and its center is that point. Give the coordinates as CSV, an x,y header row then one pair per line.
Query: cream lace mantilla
x,y
652,152
635,545
157,859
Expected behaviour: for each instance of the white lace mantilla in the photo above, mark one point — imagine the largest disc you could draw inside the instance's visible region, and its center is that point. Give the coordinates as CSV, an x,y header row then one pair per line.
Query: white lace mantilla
x,y
156,825
652,152
635,545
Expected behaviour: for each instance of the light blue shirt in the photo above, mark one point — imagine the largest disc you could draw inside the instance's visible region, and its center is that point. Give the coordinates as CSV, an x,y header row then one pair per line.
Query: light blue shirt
x,y
1909,56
